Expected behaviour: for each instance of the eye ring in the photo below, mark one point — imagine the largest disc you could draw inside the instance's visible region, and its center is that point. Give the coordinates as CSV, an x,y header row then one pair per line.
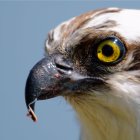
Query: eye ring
x,y
110,50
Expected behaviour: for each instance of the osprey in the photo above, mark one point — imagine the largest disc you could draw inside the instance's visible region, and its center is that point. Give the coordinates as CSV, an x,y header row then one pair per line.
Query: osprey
x,y
93,61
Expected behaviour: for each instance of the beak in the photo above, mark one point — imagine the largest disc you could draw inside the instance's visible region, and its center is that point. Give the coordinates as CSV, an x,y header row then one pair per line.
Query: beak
x,y
44,82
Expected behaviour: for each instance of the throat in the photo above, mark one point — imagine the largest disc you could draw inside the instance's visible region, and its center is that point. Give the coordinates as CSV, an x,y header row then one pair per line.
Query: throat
x,y
105,121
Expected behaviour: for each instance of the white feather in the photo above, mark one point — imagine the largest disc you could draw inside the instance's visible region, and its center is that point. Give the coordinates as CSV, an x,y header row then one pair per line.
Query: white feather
x,y
127,20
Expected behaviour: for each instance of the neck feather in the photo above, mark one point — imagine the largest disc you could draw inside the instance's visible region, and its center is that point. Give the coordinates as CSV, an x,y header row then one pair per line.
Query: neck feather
x,y
106,119
113,114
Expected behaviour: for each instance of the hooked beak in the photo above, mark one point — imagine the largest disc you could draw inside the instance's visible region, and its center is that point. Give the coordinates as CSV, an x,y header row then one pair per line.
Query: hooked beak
x,y
44,82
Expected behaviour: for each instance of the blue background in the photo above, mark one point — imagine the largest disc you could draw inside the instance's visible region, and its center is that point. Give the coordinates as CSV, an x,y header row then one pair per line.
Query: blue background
x,y
23,30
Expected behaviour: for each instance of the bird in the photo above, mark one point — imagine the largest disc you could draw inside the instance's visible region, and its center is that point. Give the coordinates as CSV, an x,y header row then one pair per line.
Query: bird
x,y
93,61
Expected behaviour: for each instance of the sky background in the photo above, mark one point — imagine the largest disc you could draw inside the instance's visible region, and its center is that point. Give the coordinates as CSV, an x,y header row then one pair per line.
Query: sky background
x,y
23,29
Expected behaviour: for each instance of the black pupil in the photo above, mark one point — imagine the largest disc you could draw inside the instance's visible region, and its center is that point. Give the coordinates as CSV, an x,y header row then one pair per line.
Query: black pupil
x,y
107,50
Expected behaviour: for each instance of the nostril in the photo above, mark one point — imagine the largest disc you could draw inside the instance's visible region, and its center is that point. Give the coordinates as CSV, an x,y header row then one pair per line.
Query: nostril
x,y
64,67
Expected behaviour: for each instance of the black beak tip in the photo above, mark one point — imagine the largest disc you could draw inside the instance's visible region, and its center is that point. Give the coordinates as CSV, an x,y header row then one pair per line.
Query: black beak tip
x,y
30,103
30,97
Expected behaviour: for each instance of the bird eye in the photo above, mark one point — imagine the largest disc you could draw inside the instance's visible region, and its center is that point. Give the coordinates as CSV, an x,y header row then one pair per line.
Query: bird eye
x,y
110,50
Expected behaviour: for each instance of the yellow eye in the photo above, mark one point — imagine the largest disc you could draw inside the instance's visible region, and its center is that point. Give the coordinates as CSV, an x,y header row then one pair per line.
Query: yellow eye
x,y
110,50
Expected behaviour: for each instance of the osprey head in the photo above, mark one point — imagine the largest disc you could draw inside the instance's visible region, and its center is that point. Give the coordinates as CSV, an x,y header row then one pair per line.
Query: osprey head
x,y
92,60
